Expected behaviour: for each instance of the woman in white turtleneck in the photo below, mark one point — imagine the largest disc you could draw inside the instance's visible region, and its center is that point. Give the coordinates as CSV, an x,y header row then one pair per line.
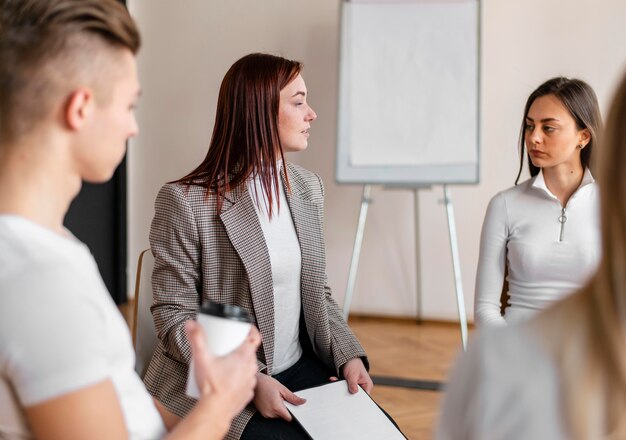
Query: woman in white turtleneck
x,y
245,228
544,232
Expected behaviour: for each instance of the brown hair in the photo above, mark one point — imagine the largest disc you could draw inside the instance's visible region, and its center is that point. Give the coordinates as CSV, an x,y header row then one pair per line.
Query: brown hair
x,y
587,331
580,100
245,135
46,45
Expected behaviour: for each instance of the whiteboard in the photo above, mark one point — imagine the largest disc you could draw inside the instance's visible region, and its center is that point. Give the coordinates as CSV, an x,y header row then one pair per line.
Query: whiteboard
x,y
408,110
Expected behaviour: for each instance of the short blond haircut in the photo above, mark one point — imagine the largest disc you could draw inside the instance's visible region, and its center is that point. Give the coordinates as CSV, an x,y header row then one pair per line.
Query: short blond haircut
x,y
49,46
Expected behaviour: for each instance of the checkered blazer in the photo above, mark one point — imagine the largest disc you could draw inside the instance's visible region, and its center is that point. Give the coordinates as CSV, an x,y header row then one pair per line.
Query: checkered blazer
x,y
199,255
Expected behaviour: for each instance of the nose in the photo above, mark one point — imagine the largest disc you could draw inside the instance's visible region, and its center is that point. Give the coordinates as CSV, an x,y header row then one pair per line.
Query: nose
x,y
534,137
311,115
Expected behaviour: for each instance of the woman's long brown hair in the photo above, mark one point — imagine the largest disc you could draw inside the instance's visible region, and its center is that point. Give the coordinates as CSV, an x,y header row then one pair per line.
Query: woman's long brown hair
x,y
580,100
245,135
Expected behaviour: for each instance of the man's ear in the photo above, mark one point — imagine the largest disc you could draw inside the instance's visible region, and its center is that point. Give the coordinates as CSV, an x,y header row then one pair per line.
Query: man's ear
x,y
79,108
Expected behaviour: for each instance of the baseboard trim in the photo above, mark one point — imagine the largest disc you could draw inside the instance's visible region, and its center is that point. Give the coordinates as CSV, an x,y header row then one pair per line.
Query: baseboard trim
x,y
417,384
355,317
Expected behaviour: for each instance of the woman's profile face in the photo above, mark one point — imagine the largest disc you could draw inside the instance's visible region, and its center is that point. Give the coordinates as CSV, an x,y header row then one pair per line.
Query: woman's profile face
x,y
294,116
552,136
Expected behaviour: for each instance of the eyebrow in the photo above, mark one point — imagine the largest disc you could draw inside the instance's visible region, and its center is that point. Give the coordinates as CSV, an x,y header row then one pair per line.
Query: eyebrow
x,y
298,93
543,120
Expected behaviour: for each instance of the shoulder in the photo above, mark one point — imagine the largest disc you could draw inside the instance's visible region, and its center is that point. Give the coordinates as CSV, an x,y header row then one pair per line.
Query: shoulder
x,y
68,297
39,259
47,271
499,358
180,193
516,190
302,174
182,201
495,372
512,196
304,182
497,204
55,281
52,325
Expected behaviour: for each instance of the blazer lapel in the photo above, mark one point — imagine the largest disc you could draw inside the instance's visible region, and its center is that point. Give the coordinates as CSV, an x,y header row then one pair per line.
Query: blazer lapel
x,y
244,231
306,217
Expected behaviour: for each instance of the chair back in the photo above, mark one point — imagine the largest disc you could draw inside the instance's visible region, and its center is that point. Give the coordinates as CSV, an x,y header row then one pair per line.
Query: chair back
x,y
144,334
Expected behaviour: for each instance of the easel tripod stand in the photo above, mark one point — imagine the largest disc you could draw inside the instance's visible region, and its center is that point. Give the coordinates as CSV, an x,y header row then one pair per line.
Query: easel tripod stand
x,y
456,266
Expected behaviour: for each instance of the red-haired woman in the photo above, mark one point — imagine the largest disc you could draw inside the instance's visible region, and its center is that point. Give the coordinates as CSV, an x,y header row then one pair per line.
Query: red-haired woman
x,y
245,228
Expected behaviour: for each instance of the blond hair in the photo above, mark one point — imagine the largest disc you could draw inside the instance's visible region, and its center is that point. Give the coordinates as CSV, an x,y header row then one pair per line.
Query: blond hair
x,y
587,331
49,46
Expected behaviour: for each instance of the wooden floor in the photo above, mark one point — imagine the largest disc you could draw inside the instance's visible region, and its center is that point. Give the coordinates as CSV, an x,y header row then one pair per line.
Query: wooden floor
x,y
404,349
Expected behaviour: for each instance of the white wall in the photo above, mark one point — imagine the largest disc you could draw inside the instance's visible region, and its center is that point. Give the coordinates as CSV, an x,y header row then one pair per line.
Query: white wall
x,y
189,45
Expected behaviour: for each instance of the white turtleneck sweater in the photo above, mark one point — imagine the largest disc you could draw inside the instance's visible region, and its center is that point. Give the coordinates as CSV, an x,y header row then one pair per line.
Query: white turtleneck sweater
x,y
286,260
546,258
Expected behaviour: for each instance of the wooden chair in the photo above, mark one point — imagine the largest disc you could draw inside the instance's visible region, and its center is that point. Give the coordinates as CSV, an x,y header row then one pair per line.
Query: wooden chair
x,y
144,334
504,295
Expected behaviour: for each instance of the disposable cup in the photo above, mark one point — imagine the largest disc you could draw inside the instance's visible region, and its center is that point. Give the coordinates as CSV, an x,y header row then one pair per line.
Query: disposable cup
x,y
225,327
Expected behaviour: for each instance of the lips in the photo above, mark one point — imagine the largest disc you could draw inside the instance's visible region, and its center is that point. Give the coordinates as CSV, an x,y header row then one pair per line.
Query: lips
x,y
537,153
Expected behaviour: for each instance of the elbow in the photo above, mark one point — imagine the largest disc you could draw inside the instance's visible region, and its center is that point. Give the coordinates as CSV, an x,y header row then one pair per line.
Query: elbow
x,y
488,315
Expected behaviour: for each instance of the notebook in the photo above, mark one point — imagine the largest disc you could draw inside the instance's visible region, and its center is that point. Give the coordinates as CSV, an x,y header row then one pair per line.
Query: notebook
x,y
332,413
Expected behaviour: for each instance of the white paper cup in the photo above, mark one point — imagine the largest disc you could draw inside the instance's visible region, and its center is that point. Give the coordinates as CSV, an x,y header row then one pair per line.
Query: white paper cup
x,y
225,328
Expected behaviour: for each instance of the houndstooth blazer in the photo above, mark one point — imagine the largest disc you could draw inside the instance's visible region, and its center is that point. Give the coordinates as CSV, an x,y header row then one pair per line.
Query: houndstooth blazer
x,y
199,255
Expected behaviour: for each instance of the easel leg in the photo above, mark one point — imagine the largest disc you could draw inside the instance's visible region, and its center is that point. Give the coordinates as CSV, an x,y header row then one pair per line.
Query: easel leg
x,y
456,265
418,258
356,250
390,380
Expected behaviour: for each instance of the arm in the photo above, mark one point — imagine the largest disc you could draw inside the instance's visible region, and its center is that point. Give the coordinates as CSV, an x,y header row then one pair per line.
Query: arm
x,y
94,412
348,354
58,361
226,385
491,264
177,275
270,396
176,279
344,344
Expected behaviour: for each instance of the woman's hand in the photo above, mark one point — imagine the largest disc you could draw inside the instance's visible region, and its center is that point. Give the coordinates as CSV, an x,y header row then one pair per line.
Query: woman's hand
x,y
355,374
231,379
270,396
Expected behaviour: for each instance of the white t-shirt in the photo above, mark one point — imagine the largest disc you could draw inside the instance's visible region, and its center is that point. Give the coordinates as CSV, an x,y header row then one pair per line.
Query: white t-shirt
x,y
546,258
286,260
506,387
60,331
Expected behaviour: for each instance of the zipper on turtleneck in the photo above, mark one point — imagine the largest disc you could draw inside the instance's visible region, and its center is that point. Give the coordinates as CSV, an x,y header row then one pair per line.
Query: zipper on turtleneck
x,y
562,220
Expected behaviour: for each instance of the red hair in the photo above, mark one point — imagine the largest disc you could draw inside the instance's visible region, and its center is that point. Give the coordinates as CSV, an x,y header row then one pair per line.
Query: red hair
x,y
245,136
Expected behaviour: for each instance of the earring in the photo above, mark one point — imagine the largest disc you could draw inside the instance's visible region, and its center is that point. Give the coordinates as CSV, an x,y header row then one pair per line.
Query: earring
x,y
579,146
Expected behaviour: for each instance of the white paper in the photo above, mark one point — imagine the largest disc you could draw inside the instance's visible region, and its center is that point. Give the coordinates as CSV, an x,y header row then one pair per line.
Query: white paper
x,y
410,87
332,413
